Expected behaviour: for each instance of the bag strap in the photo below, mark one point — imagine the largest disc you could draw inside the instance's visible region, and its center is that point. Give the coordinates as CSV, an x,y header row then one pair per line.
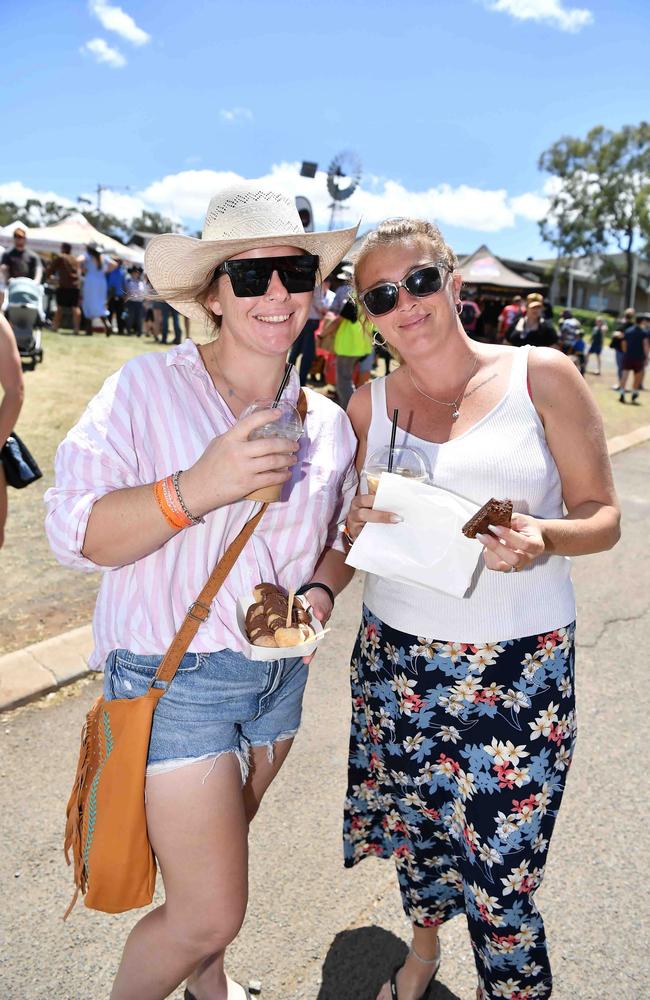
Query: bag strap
x,y
199,611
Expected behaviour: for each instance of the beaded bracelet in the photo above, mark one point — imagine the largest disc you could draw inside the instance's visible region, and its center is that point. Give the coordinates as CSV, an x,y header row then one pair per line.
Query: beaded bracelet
x,y
171,503
165,495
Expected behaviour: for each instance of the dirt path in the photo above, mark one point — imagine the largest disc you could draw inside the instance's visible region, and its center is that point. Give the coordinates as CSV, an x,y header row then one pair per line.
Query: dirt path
x,y
40,598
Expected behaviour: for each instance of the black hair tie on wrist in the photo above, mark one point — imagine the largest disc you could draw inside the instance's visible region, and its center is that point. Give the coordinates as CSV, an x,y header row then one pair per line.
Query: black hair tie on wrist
x,y
321,586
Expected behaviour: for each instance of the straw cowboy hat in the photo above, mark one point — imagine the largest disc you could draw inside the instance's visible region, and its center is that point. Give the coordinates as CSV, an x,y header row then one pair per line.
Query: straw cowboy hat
x,y
241,217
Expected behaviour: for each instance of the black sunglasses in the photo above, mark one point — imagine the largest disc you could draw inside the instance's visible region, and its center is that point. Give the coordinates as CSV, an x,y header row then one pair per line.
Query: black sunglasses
x,y
252,276
425,279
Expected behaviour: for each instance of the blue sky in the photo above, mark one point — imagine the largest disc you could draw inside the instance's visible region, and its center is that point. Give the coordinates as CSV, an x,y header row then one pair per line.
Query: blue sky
x,y
448,104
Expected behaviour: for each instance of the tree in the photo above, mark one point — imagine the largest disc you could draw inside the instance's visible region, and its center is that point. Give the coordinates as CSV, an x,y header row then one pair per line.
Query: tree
x,y
603,195
9,212
107,224
566,229
153,222
34,212
38,213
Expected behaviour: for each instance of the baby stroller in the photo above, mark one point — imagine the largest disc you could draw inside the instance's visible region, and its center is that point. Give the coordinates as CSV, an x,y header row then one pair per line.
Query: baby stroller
x,y
23,307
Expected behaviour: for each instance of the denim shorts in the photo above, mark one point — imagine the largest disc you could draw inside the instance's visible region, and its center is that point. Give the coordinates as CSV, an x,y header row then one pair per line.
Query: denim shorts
x,y
217,703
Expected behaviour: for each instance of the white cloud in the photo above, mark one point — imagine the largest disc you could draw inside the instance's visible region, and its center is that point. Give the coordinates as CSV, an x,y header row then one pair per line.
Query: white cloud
x,y
464,206
236,114
103,53
552,185
530,206
551,12
122,206
117,20
17,192
185,196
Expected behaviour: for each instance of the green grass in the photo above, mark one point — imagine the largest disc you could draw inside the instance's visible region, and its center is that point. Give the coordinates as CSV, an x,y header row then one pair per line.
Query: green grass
x,y
618,419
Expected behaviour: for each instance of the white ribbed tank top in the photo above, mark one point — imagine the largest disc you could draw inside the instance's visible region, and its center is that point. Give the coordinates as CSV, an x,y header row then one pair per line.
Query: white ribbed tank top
x,y
504,455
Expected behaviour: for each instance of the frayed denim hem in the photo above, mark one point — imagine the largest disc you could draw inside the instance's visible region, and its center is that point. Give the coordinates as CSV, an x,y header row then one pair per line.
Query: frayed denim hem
x,y
165,766
270,744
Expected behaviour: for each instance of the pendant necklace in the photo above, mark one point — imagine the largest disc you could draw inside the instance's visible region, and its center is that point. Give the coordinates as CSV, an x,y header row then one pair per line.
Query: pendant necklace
x,y
229,388
455,403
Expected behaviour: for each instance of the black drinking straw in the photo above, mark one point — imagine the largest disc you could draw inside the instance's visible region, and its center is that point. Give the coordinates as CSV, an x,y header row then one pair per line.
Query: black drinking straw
x,y
392,440
283,385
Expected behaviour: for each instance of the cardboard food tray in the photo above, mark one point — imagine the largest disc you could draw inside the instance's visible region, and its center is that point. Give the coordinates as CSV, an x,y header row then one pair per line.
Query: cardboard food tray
x,y
276,652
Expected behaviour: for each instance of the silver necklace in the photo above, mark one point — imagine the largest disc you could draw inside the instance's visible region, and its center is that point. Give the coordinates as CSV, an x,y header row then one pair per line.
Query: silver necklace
x,y
455,403
229,388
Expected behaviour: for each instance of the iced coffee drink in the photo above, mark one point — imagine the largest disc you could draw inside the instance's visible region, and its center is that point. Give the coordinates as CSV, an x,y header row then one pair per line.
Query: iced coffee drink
x,y
288,425
405,462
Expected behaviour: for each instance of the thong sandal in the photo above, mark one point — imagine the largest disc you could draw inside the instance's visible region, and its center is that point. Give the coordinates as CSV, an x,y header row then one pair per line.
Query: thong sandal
x,y
235,991
428,992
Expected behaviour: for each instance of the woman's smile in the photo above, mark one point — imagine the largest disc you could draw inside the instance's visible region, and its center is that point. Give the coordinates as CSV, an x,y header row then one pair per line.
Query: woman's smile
x,y
412,322
274,317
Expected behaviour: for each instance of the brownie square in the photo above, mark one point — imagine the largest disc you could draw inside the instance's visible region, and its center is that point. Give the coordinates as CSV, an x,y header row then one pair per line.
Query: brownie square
x,y
492,512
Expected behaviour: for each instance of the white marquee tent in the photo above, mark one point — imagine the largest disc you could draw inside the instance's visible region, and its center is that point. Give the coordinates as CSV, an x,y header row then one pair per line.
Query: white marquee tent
x,y
75,230
7,232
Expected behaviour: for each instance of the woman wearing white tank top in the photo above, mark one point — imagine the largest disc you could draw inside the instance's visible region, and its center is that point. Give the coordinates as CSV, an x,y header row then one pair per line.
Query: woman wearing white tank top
x,y
463,719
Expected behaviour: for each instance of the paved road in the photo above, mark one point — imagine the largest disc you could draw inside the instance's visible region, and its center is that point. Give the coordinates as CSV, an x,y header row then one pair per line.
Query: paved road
x,y
316,932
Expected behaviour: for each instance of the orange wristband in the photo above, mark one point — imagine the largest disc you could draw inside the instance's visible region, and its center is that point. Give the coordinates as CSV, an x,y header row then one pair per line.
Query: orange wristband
x,y
165,495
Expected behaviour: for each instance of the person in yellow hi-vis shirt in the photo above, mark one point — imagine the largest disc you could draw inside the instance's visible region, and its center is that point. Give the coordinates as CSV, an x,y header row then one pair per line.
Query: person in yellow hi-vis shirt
x,y
351,344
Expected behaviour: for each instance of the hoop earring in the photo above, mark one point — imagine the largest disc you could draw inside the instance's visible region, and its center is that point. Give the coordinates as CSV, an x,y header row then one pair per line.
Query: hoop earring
x,y
378,340
459,307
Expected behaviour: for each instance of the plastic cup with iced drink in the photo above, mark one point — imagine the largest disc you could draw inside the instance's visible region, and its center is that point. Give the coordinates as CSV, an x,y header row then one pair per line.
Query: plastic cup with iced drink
x,y
406,462
288,425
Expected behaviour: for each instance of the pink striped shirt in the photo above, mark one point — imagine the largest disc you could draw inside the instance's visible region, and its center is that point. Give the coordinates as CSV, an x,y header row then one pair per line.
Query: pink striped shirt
x,y
155,415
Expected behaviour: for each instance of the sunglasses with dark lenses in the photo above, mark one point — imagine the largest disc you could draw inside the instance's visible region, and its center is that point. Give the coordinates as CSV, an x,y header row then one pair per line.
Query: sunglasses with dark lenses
x,y
252,276
426,279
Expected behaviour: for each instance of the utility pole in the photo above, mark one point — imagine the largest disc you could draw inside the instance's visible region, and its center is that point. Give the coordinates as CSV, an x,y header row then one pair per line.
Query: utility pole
x,y
570,289
634,280
107,187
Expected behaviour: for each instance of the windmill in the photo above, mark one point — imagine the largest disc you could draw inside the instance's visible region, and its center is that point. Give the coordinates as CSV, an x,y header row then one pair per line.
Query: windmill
x,y
343,178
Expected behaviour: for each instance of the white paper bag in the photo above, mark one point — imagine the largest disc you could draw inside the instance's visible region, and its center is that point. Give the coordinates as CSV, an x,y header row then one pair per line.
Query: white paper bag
x,y
427,549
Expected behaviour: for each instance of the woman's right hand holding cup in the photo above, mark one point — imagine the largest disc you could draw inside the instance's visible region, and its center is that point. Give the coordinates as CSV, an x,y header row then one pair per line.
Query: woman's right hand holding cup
x,y
231,466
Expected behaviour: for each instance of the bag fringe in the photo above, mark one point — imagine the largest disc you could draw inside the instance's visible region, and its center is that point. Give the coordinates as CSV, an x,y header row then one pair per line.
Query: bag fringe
x,y
73,841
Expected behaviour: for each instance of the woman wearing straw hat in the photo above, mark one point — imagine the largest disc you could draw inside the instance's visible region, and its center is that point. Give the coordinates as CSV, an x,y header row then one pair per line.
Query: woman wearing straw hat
x,y
222,731
463,721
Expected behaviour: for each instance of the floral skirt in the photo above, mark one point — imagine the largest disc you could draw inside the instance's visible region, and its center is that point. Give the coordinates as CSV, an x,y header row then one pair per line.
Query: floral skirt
x,y
458,760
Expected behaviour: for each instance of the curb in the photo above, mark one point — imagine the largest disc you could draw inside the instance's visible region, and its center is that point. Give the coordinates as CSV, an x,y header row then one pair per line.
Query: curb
x,y
34,671
625,441
44,666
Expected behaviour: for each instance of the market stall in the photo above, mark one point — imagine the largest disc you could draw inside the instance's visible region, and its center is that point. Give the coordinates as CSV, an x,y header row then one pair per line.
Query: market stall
x,y
75,230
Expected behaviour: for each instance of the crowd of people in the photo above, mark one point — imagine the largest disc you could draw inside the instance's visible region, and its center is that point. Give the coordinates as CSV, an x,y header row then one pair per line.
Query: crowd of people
x,y
90,289
531,321
463,714
95,288
334,327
